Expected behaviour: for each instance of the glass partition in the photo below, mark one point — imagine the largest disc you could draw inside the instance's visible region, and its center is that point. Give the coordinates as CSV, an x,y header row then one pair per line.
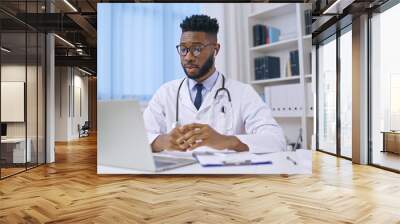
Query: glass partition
x,y
13,90
346,92
385,89
22,77
327,95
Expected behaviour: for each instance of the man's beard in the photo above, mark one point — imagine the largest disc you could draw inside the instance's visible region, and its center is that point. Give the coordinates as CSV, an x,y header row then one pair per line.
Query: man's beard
x,y
203,69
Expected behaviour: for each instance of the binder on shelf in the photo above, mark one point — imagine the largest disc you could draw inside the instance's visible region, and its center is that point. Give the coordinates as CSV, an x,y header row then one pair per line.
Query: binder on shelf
x,y
307,21
267,67
288,68
259,34
258,69
265,35
287,100
274,98
282,101
256,35
267,38
273,34
294,63
299,100
271,67
291,100
294,100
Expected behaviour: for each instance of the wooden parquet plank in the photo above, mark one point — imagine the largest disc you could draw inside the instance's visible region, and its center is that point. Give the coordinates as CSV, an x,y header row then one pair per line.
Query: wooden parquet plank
x,y
70,191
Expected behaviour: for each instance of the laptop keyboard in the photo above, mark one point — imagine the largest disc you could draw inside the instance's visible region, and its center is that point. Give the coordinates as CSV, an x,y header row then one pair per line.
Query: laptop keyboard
x,y
161,161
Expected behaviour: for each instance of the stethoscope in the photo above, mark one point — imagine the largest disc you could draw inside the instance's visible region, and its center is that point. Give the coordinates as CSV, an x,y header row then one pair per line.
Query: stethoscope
x,y
215,97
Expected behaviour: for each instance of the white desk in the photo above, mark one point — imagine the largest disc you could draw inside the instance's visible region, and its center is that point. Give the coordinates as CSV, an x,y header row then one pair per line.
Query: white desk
x,y
280,165
19,149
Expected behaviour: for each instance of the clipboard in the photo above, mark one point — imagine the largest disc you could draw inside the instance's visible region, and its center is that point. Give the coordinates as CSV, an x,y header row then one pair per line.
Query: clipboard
x,y
210,159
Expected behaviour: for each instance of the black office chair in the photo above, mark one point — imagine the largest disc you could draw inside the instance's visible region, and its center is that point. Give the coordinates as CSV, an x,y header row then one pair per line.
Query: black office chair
x,y
84,130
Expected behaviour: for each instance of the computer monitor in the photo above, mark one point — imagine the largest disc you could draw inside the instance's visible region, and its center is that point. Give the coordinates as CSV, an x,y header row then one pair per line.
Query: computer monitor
x,y
3,129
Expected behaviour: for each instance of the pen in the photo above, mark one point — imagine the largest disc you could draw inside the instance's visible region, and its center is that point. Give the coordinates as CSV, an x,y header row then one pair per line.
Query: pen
x,y
237,164
291,160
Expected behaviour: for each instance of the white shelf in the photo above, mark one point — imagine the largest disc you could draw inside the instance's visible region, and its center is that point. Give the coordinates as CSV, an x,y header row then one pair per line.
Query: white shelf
x,y
287,116
291,116
276,80
288,18
279,10
306,37
279,81
277,46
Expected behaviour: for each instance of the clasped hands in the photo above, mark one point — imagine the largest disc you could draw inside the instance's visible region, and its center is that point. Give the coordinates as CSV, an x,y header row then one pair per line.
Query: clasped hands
x,y
191,136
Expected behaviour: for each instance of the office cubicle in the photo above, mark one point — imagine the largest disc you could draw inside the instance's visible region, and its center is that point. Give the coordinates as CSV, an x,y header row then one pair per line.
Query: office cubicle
x,y
22,78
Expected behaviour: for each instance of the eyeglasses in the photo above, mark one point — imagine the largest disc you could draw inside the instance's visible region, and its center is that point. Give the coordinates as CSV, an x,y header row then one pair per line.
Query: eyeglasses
x,y
196,50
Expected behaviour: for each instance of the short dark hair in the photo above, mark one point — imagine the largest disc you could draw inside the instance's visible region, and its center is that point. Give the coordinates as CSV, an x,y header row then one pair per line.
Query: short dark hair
x,y
200,23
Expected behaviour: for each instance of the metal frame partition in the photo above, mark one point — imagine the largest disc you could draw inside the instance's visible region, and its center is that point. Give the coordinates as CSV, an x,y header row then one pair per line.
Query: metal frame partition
x,y
382,8
326,36
36,34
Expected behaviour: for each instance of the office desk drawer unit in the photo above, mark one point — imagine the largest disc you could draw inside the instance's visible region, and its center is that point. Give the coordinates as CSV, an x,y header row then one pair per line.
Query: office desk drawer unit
x,y
391,142
13,151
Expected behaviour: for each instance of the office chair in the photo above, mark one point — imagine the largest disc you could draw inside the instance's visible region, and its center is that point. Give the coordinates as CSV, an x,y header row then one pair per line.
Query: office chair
x,y
84,130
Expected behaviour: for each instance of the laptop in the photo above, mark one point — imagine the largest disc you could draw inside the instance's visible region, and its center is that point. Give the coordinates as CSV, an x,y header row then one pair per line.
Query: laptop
x,y
122,139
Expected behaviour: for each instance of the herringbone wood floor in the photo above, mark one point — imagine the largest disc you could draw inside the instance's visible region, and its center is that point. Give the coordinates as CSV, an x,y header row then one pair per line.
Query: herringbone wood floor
x,y
70,191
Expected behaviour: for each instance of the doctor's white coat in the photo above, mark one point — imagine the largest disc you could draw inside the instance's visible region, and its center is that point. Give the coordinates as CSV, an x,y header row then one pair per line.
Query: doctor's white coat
x,y
248,118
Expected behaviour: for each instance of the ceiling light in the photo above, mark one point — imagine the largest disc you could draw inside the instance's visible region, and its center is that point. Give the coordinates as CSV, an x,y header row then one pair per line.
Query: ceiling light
x,y
70,5
337,7
84,71
5,50
65,41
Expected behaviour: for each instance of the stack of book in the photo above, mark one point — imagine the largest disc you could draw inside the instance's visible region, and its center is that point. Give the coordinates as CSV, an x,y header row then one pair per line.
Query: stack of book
x,y
267,67
308,21
265,34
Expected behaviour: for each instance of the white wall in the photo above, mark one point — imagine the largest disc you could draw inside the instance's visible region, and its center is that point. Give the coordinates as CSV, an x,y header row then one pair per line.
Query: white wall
x,y
69,82
33,126
79,117
12,73
61,103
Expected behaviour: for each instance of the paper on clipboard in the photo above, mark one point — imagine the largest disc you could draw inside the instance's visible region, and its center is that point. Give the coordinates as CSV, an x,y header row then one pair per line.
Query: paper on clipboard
x,y
222,159
189,154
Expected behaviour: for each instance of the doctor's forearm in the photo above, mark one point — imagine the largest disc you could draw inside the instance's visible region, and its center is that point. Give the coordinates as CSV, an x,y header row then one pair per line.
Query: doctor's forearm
x,y
165,141
159,143
234,143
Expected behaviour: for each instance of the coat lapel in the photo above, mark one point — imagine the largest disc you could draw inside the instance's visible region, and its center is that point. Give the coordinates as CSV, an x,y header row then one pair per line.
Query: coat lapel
x,y
185,97
210,96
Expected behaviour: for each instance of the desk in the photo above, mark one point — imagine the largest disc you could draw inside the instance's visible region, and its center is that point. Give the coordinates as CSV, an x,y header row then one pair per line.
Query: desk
x,y
17,151
280,165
